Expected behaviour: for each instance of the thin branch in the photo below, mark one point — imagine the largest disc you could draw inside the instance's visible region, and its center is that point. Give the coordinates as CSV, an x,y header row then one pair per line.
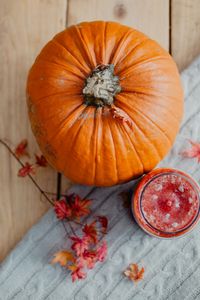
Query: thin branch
x,y
31,178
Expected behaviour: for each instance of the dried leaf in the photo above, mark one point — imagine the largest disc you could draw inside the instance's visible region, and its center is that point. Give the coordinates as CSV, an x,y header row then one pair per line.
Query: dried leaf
x,y
91,232
88,259
63,257
133,273
120,115
77,272
27,169
41,160
193,152
101,251
79,244
62,209
80,207
21,149
104,223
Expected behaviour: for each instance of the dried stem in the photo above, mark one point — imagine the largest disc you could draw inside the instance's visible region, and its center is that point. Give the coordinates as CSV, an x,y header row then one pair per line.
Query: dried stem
x,y
31,178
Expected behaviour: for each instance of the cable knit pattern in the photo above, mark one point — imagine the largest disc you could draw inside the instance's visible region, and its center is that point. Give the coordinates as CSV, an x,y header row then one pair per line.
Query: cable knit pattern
x,y
172,266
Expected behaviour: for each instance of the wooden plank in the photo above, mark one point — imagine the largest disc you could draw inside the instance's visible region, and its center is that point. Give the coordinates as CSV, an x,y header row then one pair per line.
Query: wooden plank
x,y
25,27
185,31
151,17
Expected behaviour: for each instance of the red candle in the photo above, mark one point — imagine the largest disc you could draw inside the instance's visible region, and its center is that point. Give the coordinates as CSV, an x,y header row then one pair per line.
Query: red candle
x,y
166,203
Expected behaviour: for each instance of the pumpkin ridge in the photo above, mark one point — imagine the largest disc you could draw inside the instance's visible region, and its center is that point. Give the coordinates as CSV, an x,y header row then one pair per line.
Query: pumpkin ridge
x,y
74,140
104,44
61,126
87,51
61,65
132,50
120,45
156,125
141,63
95,129
149,119
147,138
147,100
138,91
114,156
78,62
123,128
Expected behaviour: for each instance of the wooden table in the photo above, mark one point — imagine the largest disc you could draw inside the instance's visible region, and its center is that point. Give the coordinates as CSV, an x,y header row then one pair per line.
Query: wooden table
x,y
26,25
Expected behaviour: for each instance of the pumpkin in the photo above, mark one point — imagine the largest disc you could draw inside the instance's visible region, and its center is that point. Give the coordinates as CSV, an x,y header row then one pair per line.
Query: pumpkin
x,y
105,103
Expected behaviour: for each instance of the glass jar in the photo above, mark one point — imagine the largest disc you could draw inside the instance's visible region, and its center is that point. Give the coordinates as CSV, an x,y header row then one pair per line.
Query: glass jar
x,y
166,203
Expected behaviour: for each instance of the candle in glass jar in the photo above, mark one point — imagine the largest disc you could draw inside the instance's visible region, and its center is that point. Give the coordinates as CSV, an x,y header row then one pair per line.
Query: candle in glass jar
x,y
166,203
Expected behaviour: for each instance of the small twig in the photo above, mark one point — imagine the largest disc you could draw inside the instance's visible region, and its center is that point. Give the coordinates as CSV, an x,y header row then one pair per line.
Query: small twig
x,y
65,229
21,163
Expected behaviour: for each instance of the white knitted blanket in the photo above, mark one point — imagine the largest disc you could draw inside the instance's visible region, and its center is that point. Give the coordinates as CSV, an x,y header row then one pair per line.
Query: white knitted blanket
x,y
172,267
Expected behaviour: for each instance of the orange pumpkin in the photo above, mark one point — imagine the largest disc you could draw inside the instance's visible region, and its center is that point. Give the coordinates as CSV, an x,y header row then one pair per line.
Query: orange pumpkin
x,y
105,102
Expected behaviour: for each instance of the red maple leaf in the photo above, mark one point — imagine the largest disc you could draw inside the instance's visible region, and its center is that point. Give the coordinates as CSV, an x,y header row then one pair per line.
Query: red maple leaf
x,y
62,209
91,232
77,272
193,152
133,272
80,207
79,244
21,149
41,160
102,251
104,223
26,170
88,258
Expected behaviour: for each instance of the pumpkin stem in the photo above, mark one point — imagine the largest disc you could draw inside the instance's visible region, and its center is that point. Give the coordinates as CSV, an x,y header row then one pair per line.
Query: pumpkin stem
x,y
101,86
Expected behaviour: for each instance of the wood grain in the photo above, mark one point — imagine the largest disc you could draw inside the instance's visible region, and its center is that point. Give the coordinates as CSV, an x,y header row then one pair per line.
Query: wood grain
x,y
151,17
25,27
185,31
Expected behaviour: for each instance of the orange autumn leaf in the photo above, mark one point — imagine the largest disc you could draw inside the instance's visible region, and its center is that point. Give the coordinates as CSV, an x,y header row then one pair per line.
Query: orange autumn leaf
x,y
193,151
63,257
21,149
133,273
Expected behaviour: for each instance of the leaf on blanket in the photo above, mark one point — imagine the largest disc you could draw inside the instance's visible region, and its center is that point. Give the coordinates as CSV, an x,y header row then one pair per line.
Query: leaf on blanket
x,y
133,273
63,257
193,151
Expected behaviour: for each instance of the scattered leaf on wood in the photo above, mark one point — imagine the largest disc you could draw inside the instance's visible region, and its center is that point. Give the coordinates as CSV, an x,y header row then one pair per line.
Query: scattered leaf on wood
x,y
21,149
41,160
26,170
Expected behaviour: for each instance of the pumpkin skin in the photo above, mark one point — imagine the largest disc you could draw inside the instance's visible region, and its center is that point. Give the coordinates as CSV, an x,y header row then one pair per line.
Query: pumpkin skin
x,y
87,143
